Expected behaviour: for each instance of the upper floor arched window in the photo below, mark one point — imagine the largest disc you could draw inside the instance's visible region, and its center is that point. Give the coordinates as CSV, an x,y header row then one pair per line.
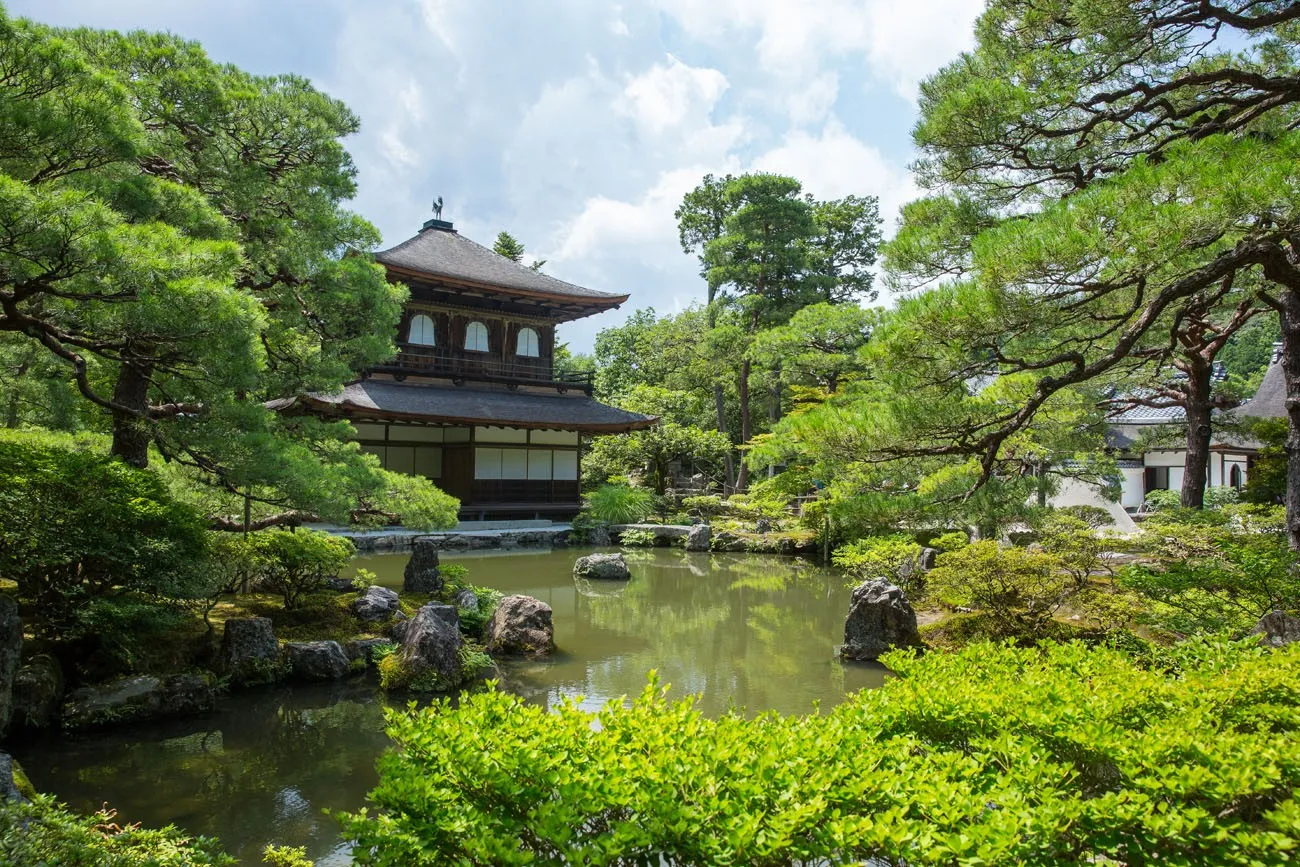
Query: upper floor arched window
x,y
527,343
476,337
421,331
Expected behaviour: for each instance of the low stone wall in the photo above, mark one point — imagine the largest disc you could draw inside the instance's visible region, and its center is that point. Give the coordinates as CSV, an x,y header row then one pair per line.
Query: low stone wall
x,y
401,541
664,533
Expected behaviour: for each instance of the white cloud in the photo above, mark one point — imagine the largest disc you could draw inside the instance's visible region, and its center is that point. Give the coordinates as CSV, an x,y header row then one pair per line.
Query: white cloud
x,y
667,94
901,42
835,163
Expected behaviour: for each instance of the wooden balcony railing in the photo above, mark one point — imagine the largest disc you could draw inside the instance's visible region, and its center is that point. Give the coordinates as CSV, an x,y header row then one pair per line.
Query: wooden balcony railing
x,y
431,361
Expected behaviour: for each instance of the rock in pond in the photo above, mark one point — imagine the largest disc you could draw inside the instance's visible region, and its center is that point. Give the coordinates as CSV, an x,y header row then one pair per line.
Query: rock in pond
x,y
699,537
467,600
11,646
880,619
1277,629
598,536
317,660
250,652
11,780
38,693
521,625
422,574
364,648
605,567
138,698
431,643
377,603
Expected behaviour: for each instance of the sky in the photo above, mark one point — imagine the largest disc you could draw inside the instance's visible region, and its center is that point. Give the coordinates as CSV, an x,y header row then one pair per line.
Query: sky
x,y
577,125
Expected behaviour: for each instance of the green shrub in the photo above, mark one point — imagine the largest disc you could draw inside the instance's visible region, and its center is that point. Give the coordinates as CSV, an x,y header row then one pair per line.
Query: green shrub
x,y
891,557
1072,541
637,538
295,563
620,504
994,755
1213,577
1017,588
952,541
1162,500
1094,516
705,506
79,526
45,833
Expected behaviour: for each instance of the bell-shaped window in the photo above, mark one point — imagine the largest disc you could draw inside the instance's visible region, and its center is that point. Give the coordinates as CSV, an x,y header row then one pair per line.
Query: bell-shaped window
x,y
476,337
421,331
527,343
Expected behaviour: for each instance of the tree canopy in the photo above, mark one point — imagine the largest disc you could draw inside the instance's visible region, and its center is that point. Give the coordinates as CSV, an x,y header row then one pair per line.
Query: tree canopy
x,y
176,254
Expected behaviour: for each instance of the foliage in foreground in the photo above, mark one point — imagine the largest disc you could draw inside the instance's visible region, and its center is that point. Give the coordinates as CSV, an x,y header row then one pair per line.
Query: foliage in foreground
x,y
993,755
42,832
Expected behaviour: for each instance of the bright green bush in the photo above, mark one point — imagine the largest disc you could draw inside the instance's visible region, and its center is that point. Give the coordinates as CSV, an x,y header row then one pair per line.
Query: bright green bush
x,y
1072,541
993,756
891,557
1094,516
44,833
704,506
620,504
637,538
1213,576
953,541
79,526
1019,589
1162,500
296,563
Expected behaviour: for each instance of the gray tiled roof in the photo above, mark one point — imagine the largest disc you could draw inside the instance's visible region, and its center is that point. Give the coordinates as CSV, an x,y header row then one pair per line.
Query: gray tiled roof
x,y
447,253
1270,400
1150,415
468,405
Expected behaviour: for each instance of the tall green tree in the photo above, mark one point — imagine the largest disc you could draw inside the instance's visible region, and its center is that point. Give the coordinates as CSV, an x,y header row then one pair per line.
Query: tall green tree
x,y
512,248
760,262
172,233
1092,169
843,248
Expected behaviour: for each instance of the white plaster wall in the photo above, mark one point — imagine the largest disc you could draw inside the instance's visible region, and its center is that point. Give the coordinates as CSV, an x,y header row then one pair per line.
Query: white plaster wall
x,y
1131,494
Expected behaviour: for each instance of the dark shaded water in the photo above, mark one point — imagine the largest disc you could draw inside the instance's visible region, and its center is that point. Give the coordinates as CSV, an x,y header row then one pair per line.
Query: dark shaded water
x,y
742,630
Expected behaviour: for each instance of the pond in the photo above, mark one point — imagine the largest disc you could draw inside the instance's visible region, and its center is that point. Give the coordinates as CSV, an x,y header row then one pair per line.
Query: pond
x,y
746,631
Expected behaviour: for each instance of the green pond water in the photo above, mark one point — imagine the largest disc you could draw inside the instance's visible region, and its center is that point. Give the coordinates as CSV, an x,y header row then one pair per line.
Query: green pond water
x,y
745,631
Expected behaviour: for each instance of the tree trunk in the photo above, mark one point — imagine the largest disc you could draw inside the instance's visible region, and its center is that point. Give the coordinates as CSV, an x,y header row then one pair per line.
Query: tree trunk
x,y
1197,464
742,475
720,404
131,435
1290,320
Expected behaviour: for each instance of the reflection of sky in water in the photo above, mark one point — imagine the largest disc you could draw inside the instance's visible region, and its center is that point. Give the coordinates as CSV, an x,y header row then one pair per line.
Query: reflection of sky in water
x,y
743,631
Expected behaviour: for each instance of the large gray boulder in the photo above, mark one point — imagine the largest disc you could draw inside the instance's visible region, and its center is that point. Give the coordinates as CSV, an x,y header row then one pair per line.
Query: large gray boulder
x,y
431,644
377,603
249,651
11,646
138,698
38,693
317,660
521,625
880,619
598,536
422,574
603,567
699,538
1277,629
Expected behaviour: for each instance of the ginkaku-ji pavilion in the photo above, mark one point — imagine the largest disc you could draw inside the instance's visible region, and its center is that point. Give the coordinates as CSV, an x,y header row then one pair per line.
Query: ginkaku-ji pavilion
x,y
473,400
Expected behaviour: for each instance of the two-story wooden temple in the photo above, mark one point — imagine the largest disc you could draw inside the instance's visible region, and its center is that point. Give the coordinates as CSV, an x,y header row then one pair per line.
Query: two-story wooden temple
x,y
473,400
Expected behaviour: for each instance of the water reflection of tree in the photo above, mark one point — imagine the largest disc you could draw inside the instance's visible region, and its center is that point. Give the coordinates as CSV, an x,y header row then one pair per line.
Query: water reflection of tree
x,y
759,629
261,770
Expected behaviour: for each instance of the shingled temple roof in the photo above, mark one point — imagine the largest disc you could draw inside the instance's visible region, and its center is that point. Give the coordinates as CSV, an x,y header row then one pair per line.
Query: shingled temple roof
x,y
1270,400
449,404
440,251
